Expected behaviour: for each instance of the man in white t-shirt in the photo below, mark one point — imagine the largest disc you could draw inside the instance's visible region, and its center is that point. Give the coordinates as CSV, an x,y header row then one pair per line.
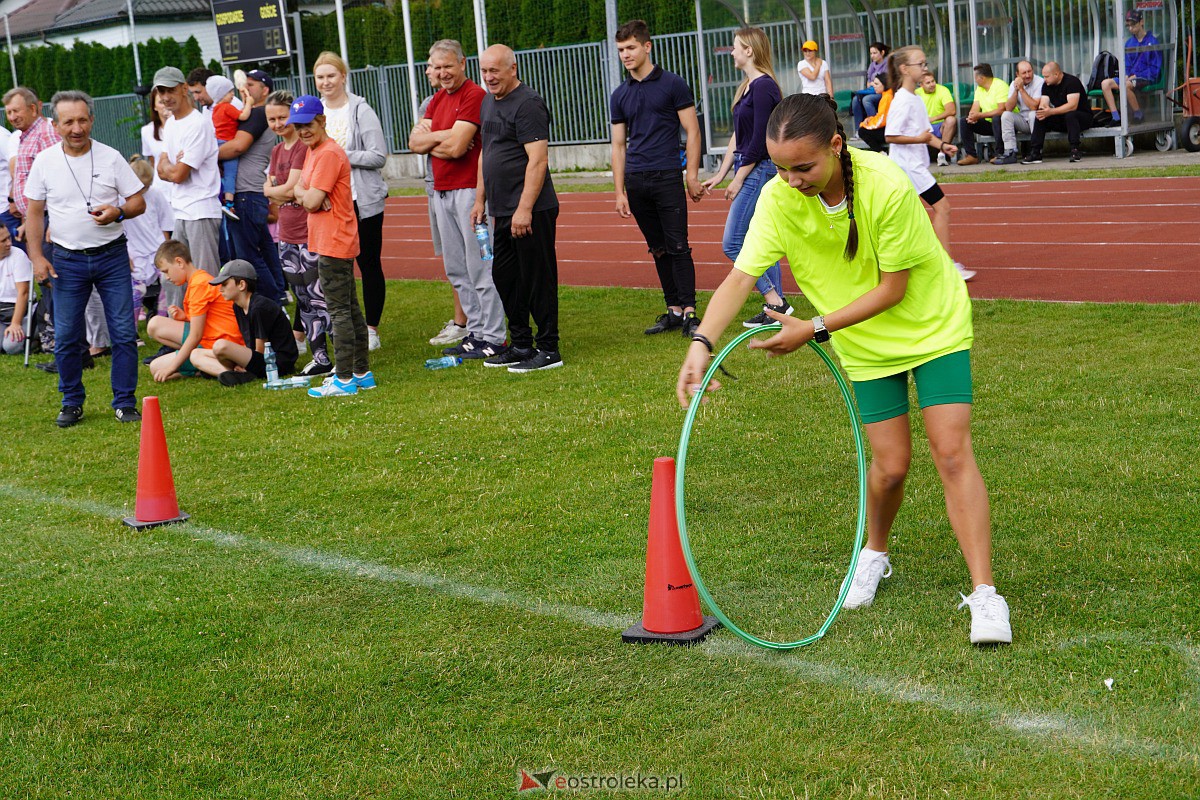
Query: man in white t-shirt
x,y
189,162
1020,112
81,183
16,280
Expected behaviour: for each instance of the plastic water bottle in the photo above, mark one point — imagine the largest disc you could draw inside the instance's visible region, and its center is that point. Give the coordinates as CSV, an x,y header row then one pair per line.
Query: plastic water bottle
x,y
294,382
442,363
272,367
485,241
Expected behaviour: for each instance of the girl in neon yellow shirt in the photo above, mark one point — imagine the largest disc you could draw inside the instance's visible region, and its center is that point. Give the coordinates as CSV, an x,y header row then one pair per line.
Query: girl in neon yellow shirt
x,y
864,253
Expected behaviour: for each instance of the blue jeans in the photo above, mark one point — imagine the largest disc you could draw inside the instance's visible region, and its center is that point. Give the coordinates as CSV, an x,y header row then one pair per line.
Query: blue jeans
x,y
740,212
108,272
250,239
864,103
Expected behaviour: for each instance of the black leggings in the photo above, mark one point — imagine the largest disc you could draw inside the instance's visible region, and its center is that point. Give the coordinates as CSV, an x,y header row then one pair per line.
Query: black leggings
x,y
370,267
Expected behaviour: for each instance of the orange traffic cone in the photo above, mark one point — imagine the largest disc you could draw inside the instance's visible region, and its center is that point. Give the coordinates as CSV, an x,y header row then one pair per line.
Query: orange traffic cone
x,y
156,503
671,605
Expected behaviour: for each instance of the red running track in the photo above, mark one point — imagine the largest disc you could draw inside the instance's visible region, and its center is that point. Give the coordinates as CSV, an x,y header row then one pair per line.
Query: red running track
x,y
1123,240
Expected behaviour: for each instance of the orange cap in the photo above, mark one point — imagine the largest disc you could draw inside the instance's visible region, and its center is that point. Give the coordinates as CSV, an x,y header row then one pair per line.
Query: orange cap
x,y
809,45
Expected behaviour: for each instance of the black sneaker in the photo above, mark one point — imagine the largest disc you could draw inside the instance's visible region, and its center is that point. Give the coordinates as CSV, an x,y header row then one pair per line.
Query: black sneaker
x,y
315,367
1034,157
460,348
665,322
511,356
690,323
477,348
162,351
69,416
761,317
1076,155
52,366
542,359
231,377
128,415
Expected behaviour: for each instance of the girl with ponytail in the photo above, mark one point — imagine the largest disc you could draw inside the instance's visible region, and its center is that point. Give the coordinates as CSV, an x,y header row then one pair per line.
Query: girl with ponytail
x,y
863,251
909,133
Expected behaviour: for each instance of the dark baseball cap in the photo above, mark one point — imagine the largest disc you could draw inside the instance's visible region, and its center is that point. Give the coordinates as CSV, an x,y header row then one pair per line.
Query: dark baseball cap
x,y
237,268
262,77
1133,15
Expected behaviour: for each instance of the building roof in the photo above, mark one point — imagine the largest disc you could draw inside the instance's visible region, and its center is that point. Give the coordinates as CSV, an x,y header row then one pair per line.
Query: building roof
x,y
40,17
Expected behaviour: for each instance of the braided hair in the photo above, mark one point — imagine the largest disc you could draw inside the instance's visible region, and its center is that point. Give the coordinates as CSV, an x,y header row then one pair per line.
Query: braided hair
x,y
801,116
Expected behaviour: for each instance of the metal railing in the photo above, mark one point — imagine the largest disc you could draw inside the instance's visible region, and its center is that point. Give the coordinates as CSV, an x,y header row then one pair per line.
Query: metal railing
x,y
573,78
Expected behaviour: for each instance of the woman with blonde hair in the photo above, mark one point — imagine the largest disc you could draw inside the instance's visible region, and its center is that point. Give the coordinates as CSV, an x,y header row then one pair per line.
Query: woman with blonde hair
x,y
355,126
755,99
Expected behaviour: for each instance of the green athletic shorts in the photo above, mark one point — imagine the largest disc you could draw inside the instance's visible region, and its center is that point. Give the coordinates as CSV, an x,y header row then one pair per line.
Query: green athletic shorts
x,y
946,379
186,369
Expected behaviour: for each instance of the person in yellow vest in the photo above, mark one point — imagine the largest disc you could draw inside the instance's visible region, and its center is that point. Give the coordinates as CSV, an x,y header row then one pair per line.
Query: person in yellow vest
x,y
991,94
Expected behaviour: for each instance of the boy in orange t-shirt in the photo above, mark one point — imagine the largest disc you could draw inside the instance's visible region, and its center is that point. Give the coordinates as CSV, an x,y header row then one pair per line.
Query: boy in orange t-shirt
x,y
206,316
324,191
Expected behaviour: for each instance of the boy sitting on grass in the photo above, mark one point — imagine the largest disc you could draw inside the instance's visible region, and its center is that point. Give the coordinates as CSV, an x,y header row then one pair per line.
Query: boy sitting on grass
x,y
260,321
206,317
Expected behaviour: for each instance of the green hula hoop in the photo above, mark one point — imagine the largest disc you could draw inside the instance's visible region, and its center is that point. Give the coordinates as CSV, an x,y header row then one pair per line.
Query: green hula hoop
x,y
681,516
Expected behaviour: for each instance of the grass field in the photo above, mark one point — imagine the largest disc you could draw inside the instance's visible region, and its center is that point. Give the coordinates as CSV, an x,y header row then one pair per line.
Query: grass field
x,y
420,591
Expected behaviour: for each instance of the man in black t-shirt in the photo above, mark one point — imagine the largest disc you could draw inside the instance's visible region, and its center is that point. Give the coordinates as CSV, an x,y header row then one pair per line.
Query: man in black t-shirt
x,y
514,180
261,322
1064,107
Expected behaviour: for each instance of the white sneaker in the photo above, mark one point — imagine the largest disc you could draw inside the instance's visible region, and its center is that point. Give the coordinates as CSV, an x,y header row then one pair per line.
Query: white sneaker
x,y
373,342
451,333
873,567
942,160
989,616
966,274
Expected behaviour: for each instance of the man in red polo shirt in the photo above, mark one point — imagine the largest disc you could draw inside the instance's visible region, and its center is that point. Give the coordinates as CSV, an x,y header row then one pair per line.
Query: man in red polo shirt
x,y
450,134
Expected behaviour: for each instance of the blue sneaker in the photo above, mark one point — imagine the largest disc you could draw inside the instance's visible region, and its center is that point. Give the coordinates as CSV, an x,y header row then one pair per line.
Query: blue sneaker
x,y
366,381
334,387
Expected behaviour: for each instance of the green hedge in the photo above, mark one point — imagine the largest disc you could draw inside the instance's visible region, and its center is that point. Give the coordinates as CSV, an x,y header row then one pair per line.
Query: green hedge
x,y
96,69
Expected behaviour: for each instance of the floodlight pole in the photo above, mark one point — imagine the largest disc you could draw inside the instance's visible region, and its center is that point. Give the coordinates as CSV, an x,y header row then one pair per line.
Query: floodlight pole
x,y
412,67
137,61
12,61
480,27
341,24
610,46
299,49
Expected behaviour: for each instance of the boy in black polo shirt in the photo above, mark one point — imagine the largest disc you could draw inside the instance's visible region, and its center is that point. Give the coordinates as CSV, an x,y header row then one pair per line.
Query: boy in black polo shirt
x,y
647,111
260,320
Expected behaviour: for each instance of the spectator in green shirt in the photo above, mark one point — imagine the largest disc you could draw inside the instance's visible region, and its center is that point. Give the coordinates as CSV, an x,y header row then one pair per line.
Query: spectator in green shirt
x,y
991,94
943,112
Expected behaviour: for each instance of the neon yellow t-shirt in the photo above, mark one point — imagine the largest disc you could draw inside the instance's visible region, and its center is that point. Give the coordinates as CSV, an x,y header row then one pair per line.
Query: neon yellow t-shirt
x,y
993,98
935,103
894,233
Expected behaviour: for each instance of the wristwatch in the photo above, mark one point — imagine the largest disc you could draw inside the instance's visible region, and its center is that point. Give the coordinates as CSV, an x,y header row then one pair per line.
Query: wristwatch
x,y
820,334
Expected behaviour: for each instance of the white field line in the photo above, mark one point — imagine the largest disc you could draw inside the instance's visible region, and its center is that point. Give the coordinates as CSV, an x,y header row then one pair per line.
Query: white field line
x,y
1050,730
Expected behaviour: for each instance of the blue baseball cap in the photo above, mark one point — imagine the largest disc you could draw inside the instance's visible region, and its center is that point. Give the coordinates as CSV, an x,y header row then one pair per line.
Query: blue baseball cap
x,y
305,109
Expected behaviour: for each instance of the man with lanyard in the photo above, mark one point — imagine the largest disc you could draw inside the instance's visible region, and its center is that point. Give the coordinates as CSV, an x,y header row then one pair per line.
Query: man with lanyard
x,y
249,237
24,112
189,163
88,189
647,111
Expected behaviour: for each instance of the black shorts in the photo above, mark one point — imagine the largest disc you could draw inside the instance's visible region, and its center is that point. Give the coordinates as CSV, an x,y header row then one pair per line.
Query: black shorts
x,y
258,366
933,194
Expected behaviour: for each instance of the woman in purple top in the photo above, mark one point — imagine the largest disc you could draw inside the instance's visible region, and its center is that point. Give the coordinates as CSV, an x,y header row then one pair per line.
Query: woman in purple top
x,y
865,102
755,99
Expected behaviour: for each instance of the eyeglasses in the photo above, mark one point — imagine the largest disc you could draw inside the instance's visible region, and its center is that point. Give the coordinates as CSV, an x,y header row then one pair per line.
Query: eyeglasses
x,y
921,64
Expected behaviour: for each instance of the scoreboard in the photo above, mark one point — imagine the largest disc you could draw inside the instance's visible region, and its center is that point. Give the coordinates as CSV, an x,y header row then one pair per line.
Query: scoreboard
x,y
251,30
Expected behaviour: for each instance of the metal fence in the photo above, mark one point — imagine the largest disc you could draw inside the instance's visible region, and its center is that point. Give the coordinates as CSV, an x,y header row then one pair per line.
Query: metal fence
x,y
574,79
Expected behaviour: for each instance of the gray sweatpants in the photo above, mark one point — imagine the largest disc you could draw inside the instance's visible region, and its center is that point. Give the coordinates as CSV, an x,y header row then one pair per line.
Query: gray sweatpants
x,y
1010,123
95,326
200,235
470,275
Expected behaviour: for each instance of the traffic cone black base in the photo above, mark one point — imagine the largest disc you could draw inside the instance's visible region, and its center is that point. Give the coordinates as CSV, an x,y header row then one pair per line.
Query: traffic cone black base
x,y
637,634
141,526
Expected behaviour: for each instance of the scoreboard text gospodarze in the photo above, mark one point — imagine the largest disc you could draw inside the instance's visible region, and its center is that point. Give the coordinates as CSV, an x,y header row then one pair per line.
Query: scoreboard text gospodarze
x,y
251,30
